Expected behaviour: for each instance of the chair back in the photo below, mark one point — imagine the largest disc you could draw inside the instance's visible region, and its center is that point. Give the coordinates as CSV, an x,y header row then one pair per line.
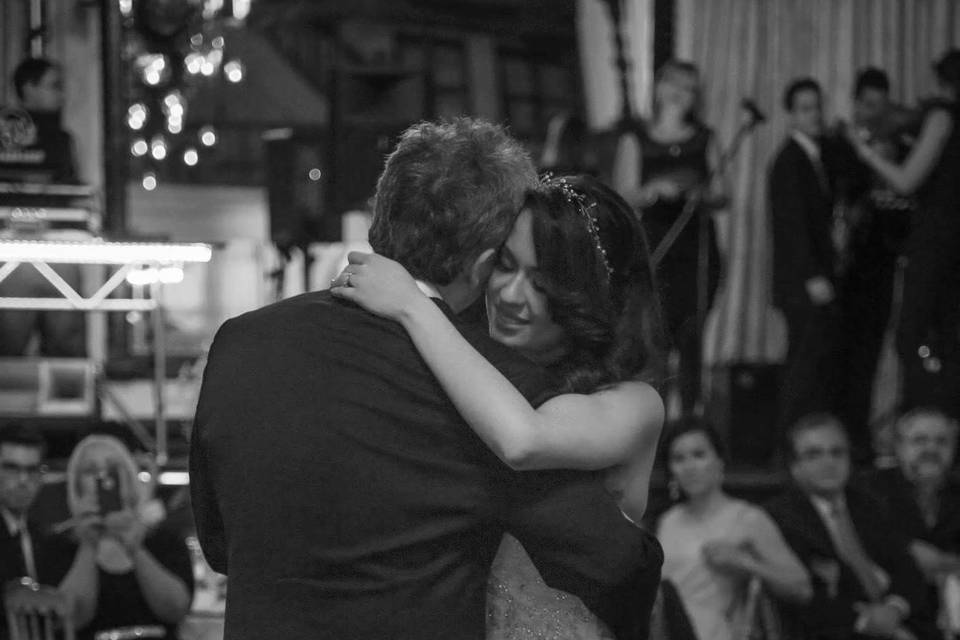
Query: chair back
x,y
37,612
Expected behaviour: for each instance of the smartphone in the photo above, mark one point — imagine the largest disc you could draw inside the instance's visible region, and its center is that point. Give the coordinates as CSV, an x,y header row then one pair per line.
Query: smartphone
x,y
108,492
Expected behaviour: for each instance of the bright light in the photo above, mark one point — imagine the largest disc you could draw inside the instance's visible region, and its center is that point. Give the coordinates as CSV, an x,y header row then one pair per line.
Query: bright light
x,y
170,275
194,62
234,71
153,67
211,7
144,476
158,148
174,478
139,147
126,7
174,125
207,68
191,157
102,252
149,181
208,137
143,277
136,116
241,9
315,174
172,98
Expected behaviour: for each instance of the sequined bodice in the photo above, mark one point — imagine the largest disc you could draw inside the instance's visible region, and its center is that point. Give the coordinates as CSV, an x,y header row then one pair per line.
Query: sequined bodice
x,y
520,606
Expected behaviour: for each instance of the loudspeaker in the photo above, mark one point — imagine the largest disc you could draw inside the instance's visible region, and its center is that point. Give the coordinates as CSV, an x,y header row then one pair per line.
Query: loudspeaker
x,y
361,149
297,174
752,431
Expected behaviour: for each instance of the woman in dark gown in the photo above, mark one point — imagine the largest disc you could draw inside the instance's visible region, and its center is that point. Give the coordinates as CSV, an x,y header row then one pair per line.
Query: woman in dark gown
x,y
671,156
927,338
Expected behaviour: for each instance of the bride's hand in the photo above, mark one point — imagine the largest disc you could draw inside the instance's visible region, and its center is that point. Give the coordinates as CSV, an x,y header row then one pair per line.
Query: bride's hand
x,y
378,284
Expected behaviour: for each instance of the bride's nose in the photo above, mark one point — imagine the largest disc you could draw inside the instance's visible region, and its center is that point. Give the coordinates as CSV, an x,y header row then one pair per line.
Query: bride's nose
x,y
514,290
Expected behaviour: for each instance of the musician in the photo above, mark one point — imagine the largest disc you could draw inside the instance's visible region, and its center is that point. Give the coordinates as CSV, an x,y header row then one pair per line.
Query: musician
x,y
801,196
879,221
666,161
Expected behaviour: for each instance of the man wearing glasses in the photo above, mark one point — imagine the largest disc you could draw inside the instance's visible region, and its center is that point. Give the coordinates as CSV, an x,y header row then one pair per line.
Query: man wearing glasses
x,y
865,583
22,450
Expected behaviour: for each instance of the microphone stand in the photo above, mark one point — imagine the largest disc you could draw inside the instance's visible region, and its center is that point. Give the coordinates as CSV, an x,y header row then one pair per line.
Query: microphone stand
x,y
690,206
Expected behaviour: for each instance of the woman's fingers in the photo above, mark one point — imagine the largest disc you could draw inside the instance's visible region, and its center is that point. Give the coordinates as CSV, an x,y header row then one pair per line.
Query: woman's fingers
x,y
358,257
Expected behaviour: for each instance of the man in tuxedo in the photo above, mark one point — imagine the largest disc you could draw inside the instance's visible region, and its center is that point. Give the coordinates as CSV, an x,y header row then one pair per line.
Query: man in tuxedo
x,y
804,287
21,461
921,492
864,581
332,479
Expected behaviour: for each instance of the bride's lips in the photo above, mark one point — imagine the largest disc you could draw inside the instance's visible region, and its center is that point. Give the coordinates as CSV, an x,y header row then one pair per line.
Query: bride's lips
x,y
507,320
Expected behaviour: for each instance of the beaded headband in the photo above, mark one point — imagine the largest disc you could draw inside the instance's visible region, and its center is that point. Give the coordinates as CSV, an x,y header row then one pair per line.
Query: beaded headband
x,y
586,210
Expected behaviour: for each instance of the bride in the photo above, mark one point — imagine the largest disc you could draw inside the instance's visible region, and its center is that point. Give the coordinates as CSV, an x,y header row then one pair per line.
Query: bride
x,y
572,289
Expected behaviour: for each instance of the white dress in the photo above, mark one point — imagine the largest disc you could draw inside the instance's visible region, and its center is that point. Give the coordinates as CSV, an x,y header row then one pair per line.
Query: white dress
x,y
713,599
520,606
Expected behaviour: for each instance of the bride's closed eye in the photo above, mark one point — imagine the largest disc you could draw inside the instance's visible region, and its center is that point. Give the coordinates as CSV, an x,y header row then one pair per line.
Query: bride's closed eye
x,y
505,261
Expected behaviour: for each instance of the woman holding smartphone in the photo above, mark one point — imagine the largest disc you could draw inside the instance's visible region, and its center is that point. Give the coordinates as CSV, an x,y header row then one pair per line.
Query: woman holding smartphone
x,y
125,568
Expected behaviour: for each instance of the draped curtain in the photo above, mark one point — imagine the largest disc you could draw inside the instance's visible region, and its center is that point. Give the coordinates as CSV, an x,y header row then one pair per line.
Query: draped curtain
x,y
601,82
753,48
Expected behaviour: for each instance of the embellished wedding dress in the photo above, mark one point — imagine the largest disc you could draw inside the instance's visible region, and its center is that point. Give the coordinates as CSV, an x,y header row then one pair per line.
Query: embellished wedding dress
x,y
520,606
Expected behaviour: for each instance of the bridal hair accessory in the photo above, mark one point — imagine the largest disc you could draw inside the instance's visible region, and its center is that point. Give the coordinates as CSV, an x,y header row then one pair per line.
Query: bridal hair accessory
x,y
587,212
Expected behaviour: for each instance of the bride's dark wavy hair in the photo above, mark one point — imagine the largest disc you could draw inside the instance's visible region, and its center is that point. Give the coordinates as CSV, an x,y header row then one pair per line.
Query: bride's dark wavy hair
x,y
611,318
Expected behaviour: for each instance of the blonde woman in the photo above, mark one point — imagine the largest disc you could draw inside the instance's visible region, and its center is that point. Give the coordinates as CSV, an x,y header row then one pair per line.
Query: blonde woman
x,y
126,568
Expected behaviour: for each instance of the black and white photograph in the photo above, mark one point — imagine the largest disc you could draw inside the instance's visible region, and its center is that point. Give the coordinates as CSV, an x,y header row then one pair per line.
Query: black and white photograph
x,y
479,319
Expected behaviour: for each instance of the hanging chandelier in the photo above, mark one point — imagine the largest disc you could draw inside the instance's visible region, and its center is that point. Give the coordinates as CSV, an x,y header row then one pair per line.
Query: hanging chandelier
x,y
172,47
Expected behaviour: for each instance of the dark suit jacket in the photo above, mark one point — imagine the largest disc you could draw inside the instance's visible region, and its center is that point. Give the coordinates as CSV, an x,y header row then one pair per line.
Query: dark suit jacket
x,y
890,487
801,219
832,616
337,486
12,565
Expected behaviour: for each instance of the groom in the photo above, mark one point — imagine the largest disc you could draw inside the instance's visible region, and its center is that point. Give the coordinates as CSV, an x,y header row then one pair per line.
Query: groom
x,y
335,483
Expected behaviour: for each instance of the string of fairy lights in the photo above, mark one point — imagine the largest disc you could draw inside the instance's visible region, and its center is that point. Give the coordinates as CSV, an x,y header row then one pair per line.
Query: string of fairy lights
x,y
172,47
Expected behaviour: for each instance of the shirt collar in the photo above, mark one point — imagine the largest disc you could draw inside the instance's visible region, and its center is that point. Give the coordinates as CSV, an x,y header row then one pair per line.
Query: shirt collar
x,y
428,289
808,144
826,507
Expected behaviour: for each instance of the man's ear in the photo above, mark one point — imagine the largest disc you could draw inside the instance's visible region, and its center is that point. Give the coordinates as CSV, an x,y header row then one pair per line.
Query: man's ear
x,y
481,268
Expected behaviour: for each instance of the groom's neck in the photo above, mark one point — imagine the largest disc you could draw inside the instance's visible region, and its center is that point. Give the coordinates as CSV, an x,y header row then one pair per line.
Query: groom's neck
x,y
457,295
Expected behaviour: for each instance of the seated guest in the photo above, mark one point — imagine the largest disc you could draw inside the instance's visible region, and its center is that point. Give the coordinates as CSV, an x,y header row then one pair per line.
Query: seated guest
x,y
865,584
125,567
22,451
713,544
921,492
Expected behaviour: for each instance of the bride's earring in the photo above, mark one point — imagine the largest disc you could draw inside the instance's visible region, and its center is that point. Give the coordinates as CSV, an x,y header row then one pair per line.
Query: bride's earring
x,y
673,490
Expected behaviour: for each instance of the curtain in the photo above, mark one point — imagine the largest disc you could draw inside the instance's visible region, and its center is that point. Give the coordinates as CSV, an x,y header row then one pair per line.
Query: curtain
x,y
601,81
753,48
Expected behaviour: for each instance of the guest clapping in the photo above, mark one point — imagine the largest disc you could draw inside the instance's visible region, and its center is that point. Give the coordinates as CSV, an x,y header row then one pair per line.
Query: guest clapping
x,y
126,569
